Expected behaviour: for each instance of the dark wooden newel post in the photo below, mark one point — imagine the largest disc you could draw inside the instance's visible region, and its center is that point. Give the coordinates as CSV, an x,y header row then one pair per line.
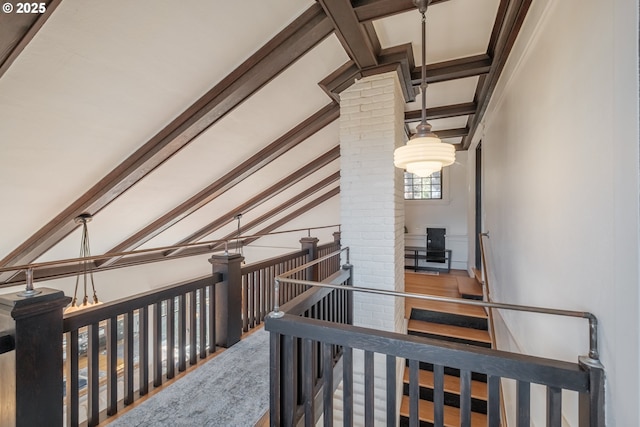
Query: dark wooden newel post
x,y
31,375
311,243
228,298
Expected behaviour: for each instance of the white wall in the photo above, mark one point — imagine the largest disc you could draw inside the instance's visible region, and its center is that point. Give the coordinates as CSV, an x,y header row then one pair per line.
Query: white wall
x,y
560,172
449,213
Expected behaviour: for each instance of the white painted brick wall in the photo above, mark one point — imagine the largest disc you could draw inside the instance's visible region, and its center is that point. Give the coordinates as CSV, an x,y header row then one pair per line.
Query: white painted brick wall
x,y
372,217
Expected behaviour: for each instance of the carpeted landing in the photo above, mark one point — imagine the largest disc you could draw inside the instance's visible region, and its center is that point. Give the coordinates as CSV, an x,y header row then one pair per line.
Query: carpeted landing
x,y
232,389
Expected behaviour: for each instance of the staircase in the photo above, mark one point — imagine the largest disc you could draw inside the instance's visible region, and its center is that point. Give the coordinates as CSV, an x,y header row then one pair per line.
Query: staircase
x,y
447,322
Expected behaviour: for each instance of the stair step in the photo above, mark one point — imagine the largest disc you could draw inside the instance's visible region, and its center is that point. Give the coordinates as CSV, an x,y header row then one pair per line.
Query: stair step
x,y
474,322
475,376
451,391
451,414
451,384
469,288
449,333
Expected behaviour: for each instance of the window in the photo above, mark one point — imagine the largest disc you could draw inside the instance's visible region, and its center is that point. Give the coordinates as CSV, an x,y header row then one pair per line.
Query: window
x,y
428,188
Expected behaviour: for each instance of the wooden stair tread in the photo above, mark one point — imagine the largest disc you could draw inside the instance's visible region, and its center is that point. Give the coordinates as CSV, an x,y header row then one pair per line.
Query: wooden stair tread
x,y
451,384
444,307
449,331
451,414
469,286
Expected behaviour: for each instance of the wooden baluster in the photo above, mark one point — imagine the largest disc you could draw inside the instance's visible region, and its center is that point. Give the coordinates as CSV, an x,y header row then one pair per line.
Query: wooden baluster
x,y
307,382
128,354
157,344
143,349
212,319
245,302
252,301
288,398
554,406
256,297
523,404
414,393
182,332
202,322
193,354
72,389
369,389
493,402
347,386
171,337
328,385
112,366
275,376
465,398
438,395
93,375
391,390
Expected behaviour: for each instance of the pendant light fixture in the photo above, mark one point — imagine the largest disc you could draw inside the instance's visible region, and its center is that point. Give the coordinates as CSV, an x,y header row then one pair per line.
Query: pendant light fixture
x,y
238,217
425,153
86,270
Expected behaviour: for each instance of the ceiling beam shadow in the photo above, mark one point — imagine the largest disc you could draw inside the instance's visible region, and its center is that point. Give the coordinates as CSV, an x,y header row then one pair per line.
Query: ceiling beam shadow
x,y
275,56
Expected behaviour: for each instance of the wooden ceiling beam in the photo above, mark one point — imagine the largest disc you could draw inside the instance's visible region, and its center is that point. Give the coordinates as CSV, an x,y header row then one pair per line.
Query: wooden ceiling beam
x,y
264,196
350,32
509,20
275,56
369,10
18,29
397,58
441,112
256,162
456,69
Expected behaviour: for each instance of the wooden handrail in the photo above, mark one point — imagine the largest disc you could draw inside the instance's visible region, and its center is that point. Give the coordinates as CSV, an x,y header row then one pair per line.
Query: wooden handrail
x,y
81,318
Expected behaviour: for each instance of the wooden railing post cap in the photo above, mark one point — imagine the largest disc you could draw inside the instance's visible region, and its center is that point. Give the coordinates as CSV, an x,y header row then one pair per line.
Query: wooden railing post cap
x,y
309,240
21,307
226,259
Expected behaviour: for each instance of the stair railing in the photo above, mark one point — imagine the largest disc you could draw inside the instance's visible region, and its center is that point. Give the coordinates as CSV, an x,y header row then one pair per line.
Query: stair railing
x,y
586,377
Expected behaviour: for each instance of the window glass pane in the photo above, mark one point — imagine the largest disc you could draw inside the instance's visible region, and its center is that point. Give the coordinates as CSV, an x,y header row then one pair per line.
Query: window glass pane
x,y
422,188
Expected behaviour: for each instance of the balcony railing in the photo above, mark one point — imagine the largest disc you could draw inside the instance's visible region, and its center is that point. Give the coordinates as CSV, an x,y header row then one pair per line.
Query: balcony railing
x,y
297,338
118,352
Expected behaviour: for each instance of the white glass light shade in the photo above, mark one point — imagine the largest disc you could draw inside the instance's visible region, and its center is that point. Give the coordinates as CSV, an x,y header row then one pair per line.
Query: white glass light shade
x,y
424,155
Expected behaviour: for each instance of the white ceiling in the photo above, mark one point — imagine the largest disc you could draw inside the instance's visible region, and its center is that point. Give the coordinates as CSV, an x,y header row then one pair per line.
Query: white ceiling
x,y
103,77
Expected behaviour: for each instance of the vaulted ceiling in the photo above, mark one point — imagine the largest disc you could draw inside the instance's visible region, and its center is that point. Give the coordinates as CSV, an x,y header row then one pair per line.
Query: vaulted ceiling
x,y
165,119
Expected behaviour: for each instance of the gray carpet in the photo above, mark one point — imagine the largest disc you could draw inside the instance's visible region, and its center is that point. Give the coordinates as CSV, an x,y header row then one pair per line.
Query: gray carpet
x,y
232,389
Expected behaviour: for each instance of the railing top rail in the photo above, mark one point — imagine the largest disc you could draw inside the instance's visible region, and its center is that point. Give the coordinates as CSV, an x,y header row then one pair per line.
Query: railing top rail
x,y
533,369
283,277
250,268
81,318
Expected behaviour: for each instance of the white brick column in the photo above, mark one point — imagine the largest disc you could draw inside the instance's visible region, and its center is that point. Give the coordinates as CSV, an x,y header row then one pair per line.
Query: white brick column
x,y
372,215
